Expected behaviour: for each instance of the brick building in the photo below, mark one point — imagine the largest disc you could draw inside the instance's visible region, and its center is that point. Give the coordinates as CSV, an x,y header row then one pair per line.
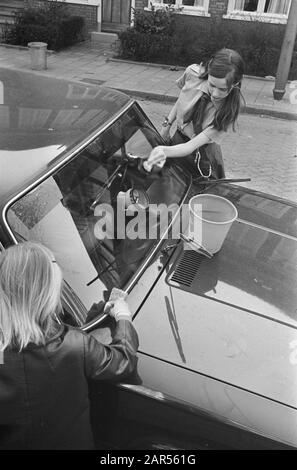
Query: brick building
x,y
90,10
269,12
105,15
114,15
272,14
266,11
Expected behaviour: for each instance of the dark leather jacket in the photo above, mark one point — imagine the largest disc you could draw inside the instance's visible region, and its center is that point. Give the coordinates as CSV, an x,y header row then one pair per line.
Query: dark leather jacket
x,y
44,400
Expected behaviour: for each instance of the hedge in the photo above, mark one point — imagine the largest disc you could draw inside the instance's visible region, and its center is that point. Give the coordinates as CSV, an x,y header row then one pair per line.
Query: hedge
x,y
166,38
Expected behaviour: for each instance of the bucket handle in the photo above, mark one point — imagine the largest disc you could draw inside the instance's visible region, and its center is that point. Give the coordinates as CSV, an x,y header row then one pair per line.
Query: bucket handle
x,y
199,246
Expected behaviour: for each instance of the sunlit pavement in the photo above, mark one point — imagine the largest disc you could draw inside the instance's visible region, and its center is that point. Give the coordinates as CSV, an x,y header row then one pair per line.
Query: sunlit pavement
x,y
263,148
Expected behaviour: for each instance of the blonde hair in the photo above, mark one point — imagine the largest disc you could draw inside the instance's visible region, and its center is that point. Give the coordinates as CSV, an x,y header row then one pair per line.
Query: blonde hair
x,y
30,291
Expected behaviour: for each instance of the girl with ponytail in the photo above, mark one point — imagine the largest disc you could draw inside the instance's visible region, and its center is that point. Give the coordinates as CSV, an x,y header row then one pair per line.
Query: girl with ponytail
x,y
207,107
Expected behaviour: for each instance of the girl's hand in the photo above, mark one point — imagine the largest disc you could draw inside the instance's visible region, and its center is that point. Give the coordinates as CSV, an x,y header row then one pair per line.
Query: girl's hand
x,y
156,157
118,309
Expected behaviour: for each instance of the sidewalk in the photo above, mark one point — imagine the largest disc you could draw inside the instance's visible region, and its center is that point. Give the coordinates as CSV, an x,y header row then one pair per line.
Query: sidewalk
x,y
93,64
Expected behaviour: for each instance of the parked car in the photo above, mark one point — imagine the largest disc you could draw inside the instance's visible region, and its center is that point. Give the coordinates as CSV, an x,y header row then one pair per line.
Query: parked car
x,y
218,341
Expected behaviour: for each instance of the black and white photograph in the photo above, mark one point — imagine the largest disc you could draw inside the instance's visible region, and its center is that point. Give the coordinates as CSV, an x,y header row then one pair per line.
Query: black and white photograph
x,y
148,228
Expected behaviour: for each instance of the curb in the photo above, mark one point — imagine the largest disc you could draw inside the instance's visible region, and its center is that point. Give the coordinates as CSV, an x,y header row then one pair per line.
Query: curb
x,y
248,109
269,112
175,68
23,48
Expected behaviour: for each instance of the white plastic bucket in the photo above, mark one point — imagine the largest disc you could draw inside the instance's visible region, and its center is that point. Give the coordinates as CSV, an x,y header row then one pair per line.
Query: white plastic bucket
x,y
210,220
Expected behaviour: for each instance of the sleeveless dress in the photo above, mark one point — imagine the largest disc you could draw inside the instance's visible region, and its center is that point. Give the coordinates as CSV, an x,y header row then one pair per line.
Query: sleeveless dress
x,y
195,113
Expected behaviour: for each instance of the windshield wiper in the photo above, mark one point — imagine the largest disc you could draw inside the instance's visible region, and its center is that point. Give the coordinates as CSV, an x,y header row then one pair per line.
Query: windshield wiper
x,y
115,175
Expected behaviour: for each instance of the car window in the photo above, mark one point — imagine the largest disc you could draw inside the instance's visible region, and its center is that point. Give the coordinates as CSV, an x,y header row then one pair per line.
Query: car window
x,y
62,212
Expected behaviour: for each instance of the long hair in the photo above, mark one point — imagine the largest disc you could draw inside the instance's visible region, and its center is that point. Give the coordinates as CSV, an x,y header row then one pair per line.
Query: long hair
x,y
30,291
228,64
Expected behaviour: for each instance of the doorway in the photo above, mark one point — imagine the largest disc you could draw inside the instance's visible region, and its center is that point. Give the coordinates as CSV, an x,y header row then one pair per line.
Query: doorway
x,y
116,15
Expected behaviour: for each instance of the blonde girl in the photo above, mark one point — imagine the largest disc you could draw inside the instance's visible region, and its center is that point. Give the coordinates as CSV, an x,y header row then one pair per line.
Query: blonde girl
x,y
44,396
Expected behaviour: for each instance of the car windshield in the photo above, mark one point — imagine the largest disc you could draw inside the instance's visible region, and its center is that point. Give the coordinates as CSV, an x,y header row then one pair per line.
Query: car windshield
x,y
79,211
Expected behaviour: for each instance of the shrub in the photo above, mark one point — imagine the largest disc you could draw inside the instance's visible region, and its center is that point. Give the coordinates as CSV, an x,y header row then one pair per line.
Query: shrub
x,y
152,37
48,23
148,47
71,30
156,22
159,36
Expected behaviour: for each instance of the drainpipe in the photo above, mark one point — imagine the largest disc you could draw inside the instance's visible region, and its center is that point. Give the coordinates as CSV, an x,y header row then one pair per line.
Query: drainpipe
x,y
99,16
133,7
285,58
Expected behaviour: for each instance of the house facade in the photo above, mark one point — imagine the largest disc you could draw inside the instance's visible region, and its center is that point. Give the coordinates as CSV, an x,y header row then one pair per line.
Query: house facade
x,y
116,15
273,14
103,15
266,11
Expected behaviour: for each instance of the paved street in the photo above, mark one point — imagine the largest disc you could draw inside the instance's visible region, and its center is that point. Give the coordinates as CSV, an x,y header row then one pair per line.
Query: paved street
x,y
263,149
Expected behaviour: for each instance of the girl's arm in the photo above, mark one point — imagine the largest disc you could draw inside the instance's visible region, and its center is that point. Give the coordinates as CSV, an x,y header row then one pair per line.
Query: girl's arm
x,y
172,114
168,122
181,150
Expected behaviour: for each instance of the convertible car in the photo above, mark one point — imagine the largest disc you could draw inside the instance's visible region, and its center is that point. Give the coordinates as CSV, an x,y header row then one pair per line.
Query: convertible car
x,y
218,342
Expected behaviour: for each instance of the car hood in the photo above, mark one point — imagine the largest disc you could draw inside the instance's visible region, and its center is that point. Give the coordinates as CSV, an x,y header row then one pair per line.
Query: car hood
x,y
42,111
235,321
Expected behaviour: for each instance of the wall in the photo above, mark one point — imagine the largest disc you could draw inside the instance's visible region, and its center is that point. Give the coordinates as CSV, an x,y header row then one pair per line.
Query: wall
x,y
218,8
88,12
